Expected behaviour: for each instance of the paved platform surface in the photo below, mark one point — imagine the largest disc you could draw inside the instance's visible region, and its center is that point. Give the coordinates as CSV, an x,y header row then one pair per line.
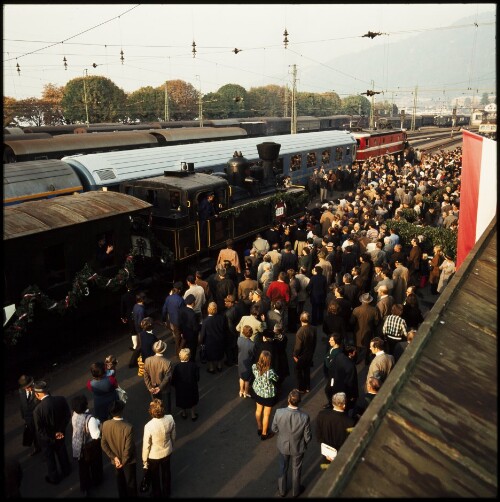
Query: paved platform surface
x,y
219,455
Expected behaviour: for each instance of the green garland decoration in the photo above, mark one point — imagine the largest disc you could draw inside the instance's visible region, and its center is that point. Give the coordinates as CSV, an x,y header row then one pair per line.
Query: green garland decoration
x,y
409,227
299,200
436,235
81,285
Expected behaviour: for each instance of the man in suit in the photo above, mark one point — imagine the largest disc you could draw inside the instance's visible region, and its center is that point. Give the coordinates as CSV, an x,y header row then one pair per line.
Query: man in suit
x,y
293,428
384,306
351,291
245,288
364,320
189,326
158,375
317,289
51,418
118,444
303,352
138,314
340,372
28,403
229,254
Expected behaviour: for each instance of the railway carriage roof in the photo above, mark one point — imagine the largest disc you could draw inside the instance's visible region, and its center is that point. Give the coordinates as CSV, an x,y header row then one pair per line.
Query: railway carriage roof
x,y
24,179
112,168
69,142
42,215
189,182
192,133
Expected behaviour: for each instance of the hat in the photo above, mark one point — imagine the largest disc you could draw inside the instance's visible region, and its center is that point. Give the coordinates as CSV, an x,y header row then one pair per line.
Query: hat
x,y
366,298
329,245
257,292
41,386
159,347
190,299
25,381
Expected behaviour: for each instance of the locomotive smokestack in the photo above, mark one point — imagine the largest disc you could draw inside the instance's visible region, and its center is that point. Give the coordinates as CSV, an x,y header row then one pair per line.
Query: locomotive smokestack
x,y
236,169
268,152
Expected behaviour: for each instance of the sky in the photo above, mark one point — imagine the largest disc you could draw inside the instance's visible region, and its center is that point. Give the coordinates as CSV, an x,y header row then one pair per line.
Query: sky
x,y
156,40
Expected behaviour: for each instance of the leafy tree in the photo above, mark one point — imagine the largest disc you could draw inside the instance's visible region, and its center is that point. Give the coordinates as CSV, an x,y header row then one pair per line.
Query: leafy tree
x,y
267,101
211,106
383,108
147,104
484,99
31,111
232,100
182,99
104,101
353,105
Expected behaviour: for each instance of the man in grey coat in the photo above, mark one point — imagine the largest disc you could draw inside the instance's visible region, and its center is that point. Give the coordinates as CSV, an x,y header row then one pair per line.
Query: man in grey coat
x,y
293,428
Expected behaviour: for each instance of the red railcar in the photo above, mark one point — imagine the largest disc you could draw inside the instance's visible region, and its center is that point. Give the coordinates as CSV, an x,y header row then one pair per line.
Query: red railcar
x,y
372,144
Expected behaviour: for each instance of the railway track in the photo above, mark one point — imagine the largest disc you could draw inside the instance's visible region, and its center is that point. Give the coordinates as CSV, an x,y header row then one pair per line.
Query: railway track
x,y
441,140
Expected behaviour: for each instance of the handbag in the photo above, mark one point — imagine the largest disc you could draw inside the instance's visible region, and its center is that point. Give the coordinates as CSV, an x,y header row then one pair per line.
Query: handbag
x,y
203,354
146,481
140,366
27,436
122,395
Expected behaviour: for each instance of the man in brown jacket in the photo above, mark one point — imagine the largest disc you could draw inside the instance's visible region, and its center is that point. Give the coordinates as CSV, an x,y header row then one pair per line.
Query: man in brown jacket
x,y
158,375
303,352
365,319
245,287
118,443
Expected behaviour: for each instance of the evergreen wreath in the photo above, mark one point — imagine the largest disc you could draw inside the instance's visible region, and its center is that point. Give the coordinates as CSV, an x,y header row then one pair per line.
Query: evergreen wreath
x,y
82,283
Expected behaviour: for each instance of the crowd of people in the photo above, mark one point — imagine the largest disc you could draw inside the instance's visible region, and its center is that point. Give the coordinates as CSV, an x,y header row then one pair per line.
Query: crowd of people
x,y
341,270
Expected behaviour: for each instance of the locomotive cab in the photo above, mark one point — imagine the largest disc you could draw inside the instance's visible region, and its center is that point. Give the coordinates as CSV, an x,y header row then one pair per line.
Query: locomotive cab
x,y
175,198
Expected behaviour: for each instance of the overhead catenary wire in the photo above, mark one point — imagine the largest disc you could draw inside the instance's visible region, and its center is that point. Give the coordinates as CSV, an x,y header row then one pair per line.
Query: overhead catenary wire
x,y
78,34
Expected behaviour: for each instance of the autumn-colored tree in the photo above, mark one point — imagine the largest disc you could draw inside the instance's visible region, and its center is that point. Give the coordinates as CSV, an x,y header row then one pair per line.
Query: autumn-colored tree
x,y
52,97
9,112
182,100
95,95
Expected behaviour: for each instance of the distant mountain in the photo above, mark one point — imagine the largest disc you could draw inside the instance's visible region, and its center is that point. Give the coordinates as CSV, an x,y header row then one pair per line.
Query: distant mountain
x,y
433,60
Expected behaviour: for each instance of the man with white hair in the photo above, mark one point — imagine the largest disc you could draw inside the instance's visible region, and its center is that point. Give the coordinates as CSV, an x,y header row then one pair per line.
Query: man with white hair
x,y
333,426
158,375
